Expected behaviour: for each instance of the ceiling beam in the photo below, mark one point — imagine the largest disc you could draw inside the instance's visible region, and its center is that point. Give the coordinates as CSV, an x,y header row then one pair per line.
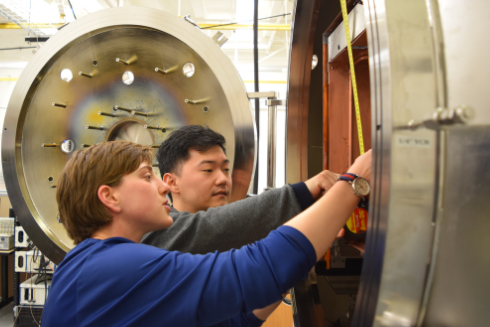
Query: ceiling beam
x,y
264,27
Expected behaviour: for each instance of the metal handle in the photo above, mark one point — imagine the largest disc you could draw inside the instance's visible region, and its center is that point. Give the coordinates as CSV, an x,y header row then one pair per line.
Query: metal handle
x,y
272,102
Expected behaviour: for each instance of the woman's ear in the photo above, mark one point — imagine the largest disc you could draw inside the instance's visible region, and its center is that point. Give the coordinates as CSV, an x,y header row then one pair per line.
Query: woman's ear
x,y
171,180
109,198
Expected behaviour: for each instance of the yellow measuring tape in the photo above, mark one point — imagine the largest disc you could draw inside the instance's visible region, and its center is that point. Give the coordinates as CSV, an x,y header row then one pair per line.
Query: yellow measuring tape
x,y
353,75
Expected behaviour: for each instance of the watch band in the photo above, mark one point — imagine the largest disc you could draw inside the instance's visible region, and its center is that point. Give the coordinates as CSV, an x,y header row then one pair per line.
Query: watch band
x,y
348,177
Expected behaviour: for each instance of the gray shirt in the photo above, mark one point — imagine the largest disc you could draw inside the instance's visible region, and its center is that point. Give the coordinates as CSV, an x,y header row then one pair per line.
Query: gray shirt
x,y
231,226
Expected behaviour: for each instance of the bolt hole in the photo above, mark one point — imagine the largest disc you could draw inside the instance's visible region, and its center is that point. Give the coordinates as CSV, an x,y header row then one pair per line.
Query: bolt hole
x,y
205,109
128,78
50,179
67,146
94,62
189,69
66,75
5,129
20,262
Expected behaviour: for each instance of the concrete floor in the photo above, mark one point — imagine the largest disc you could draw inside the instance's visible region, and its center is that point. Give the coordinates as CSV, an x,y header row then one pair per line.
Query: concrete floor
x,y
6,315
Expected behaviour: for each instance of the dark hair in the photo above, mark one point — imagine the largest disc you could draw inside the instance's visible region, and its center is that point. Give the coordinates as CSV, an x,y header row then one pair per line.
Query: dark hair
x,y
81,211
175,149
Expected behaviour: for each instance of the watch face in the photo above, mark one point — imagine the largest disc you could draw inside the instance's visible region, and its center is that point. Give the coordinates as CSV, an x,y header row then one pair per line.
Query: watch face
x,y
362,186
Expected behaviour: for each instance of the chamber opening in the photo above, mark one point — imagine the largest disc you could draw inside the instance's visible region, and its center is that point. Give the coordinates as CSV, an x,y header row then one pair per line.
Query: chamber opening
x,y
131,131
339,273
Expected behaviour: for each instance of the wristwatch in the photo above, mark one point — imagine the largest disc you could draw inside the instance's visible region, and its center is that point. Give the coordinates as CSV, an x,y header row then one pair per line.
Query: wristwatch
x,y
359,184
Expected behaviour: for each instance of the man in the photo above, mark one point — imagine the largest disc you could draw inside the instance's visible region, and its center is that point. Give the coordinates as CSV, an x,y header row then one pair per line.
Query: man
x,y
193,162
110,280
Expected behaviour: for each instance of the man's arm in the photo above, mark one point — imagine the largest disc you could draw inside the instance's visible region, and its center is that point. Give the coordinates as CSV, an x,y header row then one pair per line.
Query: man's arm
x,y
239,223
230,226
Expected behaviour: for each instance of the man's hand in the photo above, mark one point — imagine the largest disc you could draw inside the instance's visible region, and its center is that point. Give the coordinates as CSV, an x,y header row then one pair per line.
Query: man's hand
x,y
321,183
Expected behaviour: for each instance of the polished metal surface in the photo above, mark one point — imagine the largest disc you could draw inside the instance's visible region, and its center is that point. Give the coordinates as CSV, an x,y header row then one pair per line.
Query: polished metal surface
x,y
462,27
120,49
272,104
459,292
271,144
337,41
306,311
300,56
426,258
404,180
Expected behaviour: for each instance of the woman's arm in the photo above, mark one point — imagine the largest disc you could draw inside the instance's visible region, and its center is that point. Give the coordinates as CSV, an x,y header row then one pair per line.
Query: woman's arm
x,y
322,221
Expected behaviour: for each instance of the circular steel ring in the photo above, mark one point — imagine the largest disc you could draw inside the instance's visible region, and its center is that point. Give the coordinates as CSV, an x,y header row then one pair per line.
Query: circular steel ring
x,y
28,113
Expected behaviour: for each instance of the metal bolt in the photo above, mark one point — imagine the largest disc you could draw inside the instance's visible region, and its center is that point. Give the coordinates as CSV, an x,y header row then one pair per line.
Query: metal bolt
x,y
110,114
163,129
123,109
146,114
57,104
85,74
166,71
197,101
129,62
122,61
100,128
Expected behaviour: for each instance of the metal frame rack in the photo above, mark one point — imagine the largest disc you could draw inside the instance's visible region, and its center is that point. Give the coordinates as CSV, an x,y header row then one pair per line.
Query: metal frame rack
x,y
26,311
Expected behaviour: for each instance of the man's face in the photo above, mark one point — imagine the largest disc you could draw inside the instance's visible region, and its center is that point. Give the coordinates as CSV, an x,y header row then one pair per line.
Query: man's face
x,y
204,181
142,196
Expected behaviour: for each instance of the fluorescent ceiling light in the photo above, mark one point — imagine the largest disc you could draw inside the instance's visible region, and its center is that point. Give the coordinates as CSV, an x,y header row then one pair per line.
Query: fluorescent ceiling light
x,y
244,10
89,6
13,64
36,16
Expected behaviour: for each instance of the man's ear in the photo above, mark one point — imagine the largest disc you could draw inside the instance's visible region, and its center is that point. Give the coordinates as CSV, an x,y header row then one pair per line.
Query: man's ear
x,y
109,198
171,180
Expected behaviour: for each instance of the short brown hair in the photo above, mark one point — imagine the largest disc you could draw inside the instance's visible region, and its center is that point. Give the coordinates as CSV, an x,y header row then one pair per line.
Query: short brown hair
x,y
81,211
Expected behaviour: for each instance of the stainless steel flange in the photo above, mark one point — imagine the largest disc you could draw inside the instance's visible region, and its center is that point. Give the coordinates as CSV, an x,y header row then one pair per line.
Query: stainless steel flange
x,y
124,73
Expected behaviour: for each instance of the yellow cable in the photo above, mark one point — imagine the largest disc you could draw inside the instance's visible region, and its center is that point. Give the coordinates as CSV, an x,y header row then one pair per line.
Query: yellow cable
x,y
353,75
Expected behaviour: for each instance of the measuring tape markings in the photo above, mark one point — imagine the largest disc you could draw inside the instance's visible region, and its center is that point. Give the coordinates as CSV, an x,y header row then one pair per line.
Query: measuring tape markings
x,y
357,222
353,75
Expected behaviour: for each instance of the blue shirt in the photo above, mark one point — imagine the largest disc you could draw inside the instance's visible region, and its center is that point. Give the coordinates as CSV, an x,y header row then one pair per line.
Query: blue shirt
x,y
116,282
